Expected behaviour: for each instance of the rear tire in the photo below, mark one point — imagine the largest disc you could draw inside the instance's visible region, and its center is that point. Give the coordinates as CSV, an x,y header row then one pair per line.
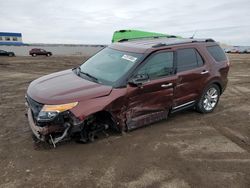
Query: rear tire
x,y
48,55
209,99
34,55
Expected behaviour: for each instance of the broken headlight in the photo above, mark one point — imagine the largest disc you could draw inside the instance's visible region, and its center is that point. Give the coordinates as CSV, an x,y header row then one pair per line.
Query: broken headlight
x,y
49,112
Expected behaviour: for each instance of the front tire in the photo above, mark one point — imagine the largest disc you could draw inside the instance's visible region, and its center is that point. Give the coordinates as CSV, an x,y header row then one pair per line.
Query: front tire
x,y
34,55
209,99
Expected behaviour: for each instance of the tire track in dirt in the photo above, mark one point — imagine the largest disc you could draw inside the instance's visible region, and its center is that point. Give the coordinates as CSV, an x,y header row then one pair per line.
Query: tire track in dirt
x,y
229,134
234,92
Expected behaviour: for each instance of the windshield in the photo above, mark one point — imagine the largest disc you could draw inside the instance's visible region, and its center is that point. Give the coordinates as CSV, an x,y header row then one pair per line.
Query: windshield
x,y
109,65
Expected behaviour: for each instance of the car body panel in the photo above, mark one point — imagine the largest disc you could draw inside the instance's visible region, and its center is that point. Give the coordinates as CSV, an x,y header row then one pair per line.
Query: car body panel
x,y
65,87
114,103
188,87
149,102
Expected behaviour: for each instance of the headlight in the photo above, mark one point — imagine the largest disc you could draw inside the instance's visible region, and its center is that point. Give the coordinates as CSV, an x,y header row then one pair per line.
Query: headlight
x,y
49,112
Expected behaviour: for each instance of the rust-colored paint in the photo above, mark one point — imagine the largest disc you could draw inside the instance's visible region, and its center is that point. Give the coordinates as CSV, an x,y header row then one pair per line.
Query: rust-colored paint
x,y
150,102
131,106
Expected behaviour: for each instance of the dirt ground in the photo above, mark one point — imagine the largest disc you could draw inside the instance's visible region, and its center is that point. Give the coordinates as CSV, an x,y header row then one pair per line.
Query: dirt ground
x,y
187,150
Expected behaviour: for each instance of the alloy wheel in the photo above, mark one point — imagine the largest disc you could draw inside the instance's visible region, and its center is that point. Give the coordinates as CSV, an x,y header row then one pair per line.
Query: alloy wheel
x,y
210,99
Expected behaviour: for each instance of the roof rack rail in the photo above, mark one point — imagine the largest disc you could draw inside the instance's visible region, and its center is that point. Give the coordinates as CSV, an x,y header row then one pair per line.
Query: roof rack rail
x,y
209,40
172,36
159,45
151,37
182,42
204,40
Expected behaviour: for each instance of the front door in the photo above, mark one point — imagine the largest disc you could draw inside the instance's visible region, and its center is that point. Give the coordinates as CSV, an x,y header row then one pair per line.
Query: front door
x,y
150,102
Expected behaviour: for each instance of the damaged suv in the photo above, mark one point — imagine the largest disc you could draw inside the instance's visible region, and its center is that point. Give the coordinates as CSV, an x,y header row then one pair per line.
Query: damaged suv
x,y
126,86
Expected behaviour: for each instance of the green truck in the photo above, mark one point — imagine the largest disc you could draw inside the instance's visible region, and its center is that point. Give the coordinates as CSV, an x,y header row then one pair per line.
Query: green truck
x,y
125,35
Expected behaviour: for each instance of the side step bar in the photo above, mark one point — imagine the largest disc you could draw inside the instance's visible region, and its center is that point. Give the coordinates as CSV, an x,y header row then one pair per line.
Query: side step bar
x,y
183,106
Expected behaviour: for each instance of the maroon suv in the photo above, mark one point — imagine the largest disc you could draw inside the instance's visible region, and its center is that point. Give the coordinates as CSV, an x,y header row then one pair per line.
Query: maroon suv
x,y
127,85
38,51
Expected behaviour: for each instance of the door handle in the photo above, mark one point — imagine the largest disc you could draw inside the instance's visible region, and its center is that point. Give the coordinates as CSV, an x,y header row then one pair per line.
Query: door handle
x,y
204,72
166,85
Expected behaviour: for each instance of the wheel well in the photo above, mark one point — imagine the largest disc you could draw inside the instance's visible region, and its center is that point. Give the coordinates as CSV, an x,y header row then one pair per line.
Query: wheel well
x,y
106,117
219,85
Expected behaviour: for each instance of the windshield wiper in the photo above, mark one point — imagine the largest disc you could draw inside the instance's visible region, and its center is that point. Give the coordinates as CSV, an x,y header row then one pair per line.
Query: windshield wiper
x,y
79,72
89,75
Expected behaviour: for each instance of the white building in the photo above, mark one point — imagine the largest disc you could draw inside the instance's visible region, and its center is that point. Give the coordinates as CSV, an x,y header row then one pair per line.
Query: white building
x,y
7,38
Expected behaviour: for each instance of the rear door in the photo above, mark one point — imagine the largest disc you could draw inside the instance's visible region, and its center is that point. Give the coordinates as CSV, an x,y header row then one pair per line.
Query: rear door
x,y
151,101
192,73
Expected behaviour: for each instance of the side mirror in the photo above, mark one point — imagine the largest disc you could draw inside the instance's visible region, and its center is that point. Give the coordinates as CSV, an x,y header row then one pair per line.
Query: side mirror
x,y
138,80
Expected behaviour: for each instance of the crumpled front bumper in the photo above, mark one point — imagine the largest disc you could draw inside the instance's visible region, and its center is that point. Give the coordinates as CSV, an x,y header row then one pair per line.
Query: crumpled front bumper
x,y
54,130
39,132
42,133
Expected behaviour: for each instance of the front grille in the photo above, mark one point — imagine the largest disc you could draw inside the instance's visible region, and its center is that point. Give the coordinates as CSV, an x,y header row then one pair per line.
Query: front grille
x,y
34,106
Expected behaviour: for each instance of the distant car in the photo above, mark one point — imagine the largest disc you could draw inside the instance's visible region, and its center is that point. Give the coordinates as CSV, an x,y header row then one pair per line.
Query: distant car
x,y
5,53
38,51
242,51
245,51
234,50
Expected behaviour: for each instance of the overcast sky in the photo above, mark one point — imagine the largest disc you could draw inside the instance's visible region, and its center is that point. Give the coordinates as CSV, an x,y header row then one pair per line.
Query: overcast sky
x,y
94,21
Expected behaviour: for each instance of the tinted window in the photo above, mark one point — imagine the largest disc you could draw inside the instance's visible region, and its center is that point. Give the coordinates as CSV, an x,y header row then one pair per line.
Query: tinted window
x,y
217,53
188,59
199,59
159,65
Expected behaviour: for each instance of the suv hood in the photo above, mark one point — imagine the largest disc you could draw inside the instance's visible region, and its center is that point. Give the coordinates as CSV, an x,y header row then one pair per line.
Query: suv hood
x,y
64,87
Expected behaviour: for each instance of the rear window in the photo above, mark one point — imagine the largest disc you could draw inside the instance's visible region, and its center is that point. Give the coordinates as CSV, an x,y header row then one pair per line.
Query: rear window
x,y
217,53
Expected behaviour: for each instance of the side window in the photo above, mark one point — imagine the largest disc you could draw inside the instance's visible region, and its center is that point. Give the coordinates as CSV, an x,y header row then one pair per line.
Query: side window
x,y
188,59
217,53
159,65
199,59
